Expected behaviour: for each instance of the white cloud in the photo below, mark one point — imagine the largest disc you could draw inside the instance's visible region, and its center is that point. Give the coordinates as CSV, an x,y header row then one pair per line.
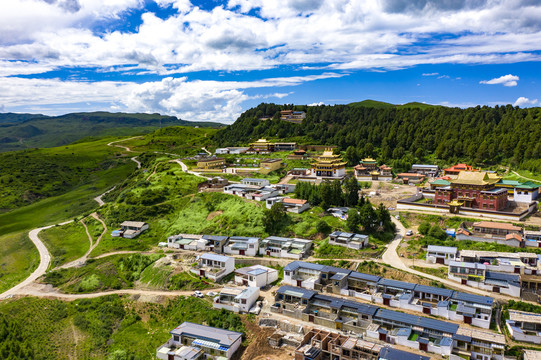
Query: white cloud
x,y
191,100
505,80
525,102
431,74
321,103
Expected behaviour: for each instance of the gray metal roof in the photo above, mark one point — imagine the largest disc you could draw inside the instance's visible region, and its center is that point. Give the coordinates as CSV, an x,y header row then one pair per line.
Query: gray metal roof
x,y
363,276
507,278
412,320
224,337
339,303
215,257
215,237
296,291
442,249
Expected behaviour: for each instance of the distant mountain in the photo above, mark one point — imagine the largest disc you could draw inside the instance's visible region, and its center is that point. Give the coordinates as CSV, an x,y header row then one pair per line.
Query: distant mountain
x,y
383,105
16,118
21,131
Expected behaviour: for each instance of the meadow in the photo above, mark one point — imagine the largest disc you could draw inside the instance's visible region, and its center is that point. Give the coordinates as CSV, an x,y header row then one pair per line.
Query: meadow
x,y
65,242
18,258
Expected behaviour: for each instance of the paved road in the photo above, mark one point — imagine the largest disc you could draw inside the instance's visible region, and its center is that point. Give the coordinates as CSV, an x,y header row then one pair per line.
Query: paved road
x,y
45,260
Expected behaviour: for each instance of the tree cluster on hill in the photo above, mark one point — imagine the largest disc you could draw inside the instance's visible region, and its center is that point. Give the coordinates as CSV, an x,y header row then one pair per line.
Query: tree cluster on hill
x,y
481,135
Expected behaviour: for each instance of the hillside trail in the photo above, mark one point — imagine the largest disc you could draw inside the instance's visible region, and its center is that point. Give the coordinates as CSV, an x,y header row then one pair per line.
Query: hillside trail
x,y
134,159
98,198
524,177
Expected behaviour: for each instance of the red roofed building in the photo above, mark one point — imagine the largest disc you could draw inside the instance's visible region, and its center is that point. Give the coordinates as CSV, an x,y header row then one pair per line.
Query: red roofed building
x,y
411,178
454,170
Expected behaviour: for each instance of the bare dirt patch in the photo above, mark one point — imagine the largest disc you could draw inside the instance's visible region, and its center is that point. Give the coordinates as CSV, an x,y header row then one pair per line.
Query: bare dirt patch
x,y
388,193
213,214
259,348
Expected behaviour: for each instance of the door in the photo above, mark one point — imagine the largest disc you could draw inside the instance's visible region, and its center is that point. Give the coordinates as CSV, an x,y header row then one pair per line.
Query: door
x,y
170,357
467,319
242,252
202,272
426,310
299,283
387,302
440,260
268,253
382,337
423,347
464,282
496,289
245,282
181,247
517,270
311,318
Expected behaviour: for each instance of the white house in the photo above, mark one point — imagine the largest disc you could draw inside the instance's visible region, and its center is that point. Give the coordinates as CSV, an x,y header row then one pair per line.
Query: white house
x,y
236,299
296,206
255,276
187,242
349,240
441,254
214,342
526,192
285,247
130,229
242,245
524,326
477,275
255,182
214,266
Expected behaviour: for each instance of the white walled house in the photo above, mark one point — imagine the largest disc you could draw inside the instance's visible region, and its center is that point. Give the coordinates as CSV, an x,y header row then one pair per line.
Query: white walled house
x,y
255,182
242,245
255,276
130,229
441,254
214,266
236,299
524,326
292,248
189,338
187,242
477,275
526,192
349,240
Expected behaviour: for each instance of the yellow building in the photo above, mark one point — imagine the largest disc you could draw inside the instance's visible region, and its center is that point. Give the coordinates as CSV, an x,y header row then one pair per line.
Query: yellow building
x,y
329,165
261,146
268,165
211,163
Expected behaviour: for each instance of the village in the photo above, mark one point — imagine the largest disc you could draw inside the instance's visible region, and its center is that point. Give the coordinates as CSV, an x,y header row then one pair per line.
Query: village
x,y
326,312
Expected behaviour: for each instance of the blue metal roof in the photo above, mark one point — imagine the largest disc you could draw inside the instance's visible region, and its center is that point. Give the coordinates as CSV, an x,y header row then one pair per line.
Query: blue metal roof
x,y
215,237
508,278
215,257
434,290
471,298
389,353
413,320
396,284
365,277
339,303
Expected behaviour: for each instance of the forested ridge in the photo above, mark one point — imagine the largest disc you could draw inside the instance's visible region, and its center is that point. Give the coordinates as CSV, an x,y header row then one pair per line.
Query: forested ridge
x,y
480,135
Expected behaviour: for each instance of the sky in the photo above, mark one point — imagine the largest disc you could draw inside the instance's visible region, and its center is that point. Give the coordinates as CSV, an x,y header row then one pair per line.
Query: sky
x,y
210,60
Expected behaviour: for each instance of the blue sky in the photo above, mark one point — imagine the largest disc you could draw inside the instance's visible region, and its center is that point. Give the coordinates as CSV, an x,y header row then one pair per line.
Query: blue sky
x,y
210,60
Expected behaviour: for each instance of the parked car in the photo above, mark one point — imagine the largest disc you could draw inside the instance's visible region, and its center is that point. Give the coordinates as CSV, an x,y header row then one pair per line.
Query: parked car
x,y
409,233
198,294
212,293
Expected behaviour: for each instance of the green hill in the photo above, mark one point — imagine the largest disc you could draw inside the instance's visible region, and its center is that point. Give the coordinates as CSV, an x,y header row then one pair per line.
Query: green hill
x,y
20,131
383,105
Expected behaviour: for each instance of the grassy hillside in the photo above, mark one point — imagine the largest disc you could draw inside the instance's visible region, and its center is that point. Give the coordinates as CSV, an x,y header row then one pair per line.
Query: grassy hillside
x,y
18,258
109,327
372,104
35,174
18,117
20,131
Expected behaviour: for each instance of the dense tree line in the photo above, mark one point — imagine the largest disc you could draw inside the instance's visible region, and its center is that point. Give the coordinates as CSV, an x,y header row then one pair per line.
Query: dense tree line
x,y
400,136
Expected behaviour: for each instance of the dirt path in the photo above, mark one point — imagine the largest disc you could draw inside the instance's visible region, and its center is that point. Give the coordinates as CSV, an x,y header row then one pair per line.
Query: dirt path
x,y
45,260
184,168
205,150
134,159
524,177
99,200
285,179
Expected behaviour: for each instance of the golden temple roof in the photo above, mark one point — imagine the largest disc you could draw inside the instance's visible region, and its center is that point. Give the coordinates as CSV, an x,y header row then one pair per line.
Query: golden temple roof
x,y
475,178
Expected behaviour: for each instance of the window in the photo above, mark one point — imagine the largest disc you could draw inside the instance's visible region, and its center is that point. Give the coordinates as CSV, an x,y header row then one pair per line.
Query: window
x,y
175,338
243,301
287,273
304,301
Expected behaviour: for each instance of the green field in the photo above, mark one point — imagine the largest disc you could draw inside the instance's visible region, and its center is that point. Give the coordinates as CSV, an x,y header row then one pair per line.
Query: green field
x,y
18,258
112,272
65,243
109,327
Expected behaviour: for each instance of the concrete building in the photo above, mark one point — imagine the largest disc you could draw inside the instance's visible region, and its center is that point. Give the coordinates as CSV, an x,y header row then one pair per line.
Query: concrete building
x,y
411,178
524,326
268,165
255,276
428,170
242,245
292,248
349,240
189,339
440,254
526,192
130,229
214,266
211,163
255,182
188,242
236,299
476,275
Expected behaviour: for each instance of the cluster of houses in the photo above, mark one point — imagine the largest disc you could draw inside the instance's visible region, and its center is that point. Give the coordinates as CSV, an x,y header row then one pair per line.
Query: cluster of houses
x,y
453,305
514,274
417,332
292,248
318,344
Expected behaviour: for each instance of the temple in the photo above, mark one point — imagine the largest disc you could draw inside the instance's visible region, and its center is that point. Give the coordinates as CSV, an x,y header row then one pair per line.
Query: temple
x,y
261,146
329,165
368,170
475,190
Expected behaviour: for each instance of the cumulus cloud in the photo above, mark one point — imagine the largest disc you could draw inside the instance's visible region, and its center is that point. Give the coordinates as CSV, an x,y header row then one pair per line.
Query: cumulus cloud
x,y
505,80
525,102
